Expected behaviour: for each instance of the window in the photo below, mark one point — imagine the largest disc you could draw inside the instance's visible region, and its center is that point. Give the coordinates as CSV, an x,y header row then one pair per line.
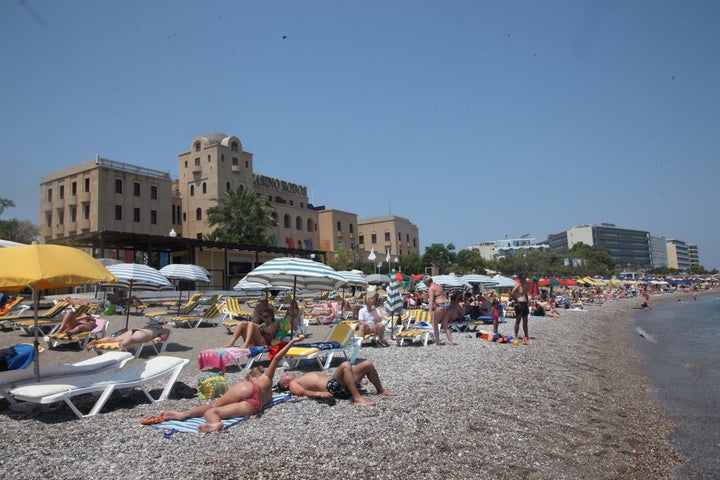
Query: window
x,y
227,186
197,146
153,217
209,158
222,157
73,188
87,184
184,217
309,225
118,185
291,203
275,218
352,229
118,212
286,221
298,223
136,215
185,163
407,238
197,162
199,236
361,239
136,189
399,237
234,146
61,194
387,236
373,238
173,214
235,162
49,196
198,214
73,214
178,215
48,219
192,190
61,217
86,211
339,227
246,164
204,187
153,192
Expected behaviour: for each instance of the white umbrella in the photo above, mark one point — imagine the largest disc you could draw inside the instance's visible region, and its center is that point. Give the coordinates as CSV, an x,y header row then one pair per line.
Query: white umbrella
x,y
183,271
481,279
377,278
139,277
8,243
451,283
354,279
108,261
503,282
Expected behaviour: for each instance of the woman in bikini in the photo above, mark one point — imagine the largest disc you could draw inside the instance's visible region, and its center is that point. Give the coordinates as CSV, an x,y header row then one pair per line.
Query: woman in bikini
x,y
132,337
244,398
73,324
439,307
254,334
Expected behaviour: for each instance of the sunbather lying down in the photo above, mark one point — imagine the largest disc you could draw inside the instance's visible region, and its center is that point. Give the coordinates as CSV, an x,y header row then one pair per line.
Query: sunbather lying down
x,y
132,337
244,398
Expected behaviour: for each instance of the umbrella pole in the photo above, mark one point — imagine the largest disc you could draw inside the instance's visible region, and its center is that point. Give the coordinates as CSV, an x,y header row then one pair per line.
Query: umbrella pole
x,y
293,299
180,299
127,307
36,343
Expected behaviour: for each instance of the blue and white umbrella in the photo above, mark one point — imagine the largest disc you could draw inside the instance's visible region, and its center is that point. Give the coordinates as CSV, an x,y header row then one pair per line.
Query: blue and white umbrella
x,y
393,303
451,283
298,273
138,276
187,272
479,279
354,279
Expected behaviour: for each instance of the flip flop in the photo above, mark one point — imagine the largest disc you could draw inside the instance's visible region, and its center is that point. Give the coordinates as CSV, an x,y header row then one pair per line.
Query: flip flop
x,y
154,420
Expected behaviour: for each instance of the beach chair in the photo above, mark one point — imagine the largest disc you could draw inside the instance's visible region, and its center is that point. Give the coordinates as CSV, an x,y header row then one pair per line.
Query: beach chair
x,y
187,309
159,344
15,378
54,340
420,332
195,297
211,300
233,310
64,389
50,320
9,306
340,339
211,316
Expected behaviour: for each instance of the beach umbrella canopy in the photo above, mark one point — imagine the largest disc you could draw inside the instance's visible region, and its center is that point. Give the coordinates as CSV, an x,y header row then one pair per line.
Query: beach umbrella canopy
x,y
550,282
298,273
451,283
377,279
354,279
182,271
137,276
108,261
393,302
503,282
8,243
474,278
48,266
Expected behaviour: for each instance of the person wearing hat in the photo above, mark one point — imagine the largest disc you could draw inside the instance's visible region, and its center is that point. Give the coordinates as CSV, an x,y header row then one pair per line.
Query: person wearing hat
x,y
439,307
522,308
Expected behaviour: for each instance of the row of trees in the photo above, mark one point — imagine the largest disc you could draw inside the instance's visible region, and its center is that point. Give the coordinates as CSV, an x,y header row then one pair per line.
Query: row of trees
x,y
16,230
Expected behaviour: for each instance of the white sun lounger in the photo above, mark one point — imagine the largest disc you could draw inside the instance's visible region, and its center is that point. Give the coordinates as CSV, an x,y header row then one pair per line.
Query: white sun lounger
x,y
15,378
137,375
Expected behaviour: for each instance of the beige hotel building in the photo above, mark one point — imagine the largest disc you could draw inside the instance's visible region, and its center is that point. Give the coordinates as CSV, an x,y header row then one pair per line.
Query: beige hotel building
x,y
106,195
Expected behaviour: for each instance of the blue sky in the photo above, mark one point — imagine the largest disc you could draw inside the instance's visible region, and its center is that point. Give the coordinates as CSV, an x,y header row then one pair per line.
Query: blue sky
x,y
476,120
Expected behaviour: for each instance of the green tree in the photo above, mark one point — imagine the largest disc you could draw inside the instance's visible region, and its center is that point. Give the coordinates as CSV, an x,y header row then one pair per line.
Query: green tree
x,y
16,230
241,216
595,260
470,261
441,256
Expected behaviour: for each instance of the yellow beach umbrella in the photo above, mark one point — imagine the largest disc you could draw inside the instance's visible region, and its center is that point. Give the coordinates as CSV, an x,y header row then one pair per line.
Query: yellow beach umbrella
x,y
48,266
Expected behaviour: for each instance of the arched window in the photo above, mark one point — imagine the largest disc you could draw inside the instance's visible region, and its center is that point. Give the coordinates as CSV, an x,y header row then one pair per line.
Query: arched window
x,y
198,214
197,146
192,190
275,219
298,223
204,187
309,225
234,146
286,221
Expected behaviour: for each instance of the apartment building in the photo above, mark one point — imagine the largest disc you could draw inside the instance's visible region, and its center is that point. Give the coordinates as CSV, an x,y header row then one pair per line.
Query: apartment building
x,y
398,235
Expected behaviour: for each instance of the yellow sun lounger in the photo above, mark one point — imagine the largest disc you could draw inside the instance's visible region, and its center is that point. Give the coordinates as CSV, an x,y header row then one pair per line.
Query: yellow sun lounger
x,y
341,335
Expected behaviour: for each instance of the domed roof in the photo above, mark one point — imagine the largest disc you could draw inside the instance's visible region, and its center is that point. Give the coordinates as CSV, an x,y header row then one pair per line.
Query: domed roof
x,y
214,137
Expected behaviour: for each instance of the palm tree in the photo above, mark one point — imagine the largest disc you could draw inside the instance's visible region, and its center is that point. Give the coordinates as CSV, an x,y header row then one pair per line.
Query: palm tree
x,y
241,216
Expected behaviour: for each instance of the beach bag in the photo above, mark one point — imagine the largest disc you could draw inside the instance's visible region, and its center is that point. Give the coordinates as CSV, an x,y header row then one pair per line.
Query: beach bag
x,y
110,310
212,385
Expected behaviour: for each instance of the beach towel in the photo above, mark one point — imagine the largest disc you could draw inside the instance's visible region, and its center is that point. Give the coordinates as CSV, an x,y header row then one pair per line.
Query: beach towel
x,y
190,425
16,357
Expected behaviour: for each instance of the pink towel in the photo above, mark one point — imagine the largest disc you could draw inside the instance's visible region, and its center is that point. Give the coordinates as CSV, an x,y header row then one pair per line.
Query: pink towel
x,y
220,357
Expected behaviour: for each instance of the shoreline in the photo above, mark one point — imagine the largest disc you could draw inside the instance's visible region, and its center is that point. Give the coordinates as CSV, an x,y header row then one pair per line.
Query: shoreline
x,y
576,402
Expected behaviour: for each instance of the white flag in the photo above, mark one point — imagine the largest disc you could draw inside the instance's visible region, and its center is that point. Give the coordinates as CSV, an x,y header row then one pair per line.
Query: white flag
x,y
372,257
387,257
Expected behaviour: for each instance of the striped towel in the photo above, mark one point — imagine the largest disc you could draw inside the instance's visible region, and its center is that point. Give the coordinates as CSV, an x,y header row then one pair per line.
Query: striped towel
x,y
190,424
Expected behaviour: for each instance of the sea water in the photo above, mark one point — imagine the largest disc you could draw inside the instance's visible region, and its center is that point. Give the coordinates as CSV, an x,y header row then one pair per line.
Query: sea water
x,y
680,346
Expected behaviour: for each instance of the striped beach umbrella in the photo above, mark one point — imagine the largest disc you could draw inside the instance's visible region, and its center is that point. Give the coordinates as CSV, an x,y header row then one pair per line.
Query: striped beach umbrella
x,y
137,276
298,273
354,279
451,283
393,303
474,278
184,271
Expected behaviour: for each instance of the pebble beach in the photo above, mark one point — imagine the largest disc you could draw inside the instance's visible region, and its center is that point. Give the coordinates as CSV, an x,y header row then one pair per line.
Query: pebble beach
x,y
574,403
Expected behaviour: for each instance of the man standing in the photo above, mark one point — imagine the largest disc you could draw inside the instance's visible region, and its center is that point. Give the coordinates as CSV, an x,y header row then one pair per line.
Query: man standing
x,y
522,309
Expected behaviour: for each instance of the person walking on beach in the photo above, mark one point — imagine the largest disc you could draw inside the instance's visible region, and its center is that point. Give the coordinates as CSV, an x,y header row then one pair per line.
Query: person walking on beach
x,y
244,398
522,309
343,384
439,307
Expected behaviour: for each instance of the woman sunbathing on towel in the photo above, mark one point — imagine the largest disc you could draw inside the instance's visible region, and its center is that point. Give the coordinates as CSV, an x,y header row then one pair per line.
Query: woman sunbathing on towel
x,y
244,398
255,335
132,337
73,324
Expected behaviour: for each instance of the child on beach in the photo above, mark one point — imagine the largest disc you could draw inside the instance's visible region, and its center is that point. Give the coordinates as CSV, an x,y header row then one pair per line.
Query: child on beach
x,y
244,398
